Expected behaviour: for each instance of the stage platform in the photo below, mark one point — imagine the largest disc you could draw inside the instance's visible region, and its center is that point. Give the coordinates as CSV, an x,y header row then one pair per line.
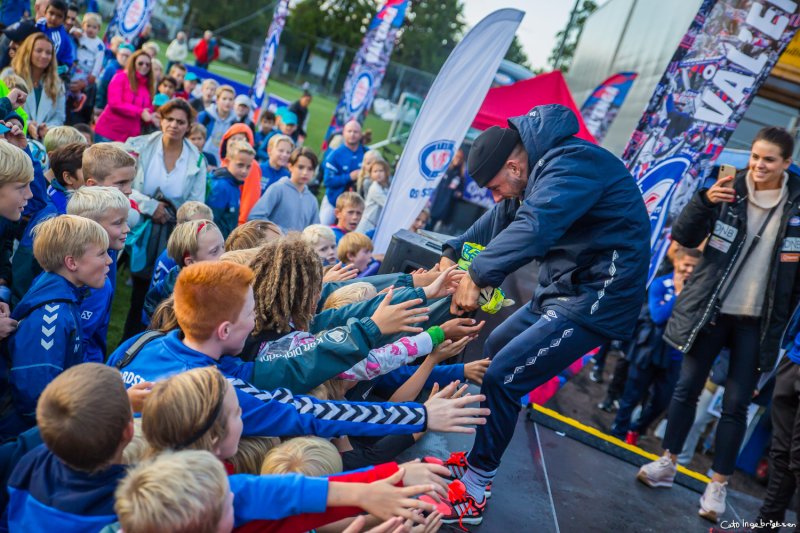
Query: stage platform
x,y
558,476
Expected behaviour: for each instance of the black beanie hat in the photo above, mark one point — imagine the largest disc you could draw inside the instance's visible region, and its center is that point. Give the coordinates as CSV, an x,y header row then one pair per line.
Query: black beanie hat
x,y
489,153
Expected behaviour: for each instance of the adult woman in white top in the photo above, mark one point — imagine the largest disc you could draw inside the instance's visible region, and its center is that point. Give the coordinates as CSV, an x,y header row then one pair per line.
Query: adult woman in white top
x,y
35,62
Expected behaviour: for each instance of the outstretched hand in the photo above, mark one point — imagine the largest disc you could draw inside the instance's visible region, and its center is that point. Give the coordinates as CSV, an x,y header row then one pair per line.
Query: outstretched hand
x,y
395,318
453,415
445,283
340,272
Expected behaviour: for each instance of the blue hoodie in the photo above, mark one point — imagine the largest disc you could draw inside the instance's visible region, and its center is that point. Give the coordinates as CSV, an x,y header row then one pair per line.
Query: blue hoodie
x,y
38,188
277,413
48,340
224,199
47,495
338,167
164,264
582,217
62,42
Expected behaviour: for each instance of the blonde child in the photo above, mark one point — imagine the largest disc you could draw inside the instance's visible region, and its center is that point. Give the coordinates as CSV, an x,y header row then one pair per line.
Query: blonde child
x,y
197,136
73,251
191,210
379,174
349,210
356,248
311,456
190,242
224,197
181,492
108,207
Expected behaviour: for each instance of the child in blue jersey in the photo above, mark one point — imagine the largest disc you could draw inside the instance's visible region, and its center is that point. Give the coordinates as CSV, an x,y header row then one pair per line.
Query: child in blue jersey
x,y
276,167
65,163
85,419
215,310
348,211
356,249
52,25
190,242
108,207
189,211
225,195
73,252
654,365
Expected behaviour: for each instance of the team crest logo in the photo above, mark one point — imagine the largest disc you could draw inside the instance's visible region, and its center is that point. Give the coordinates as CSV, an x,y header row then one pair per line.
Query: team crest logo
x,y
360,93
336,336
435,158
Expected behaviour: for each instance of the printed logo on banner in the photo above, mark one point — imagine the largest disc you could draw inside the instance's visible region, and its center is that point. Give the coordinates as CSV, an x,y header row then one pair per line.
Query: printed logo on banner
x,y
435,157
133,16
360,92
262,75
657,186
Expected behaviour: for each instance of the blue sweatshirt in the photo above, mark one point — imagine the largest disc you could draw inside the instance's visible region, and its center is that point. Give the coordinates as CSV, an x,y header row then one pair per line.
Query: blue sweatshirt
x,y
45,494
38,187
62,42
271,176
11,11
277,413
48,340
164,264
224,199
287,207
340,164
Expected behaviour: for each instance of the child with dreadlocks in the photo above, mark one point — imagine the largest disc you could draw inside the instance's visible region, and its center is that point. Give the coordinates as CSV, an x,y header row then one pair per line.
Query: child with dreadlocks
x,y
288,281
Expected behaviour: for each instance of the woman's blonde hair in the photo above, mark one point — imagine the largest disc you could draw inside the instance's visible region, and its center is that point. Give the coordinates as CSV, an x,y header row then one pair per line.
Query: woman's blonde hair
x,y
288,281
184,412
251,453
22,66
349,294
181,492
311,456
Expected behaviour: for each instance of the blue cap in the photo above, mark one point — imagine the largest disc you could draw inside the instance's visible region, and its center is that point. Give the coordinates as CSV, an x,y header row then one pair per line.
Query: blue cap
x,y
288,117
191,76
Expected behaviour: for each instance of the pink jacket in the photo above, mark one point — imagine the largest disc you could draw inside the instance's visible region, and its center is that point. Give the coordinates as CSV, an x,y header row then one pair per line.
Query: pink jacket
x,y
122,117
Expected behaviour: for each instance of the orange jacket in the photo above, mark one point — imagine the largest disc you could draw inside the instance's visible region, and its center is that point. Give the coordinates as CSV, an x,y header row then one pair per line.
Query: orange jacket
x,y
251,189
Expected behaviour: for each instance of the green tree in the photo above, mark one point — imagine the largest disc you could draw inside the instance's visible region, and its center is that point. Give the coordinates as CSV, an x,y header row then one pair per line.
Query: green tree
x,y
341,21
561,56
432,30
517,54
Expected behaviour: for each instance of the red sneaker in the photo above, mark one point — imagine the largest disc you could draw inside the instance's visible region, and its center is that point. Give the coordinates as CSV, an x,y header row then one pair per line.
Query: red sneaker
x,y
463,509
632,437
457,464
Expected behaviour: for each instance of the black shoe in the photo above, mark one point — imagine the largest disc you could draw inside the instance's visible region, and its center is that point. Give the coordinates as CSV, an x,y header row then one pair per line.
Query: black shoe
x,y
606,405
596,375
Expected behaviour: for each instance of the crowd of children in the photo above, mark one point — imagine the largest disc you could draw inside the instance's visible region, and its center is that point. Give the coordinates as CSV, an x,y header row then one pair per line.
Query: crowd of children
x,y
267,378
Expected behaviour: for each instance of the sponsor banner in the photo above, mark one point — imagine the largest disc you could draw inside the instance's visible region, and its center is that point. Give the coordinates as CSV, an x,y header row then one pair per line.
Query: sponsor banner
x,y
601,107
727,53
128,19
369,66
267,56
457,94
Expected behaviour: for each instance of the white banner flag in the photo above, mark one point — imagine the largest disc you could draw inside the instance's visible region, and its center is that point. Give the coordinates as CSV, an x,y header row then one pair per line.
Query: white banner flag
x,y
452,103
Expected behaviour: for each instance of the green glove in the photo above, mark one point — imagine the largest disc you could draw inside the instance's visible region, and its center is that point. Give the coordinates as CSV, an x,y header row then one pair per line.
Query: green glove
x,y
491,300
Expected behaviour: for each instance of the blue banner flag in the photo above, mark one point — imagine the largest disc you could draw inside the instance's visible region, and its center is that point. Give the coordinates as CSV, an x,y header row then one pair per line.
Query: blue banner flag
x,y
721,61
369,66
129,17
602,106
267,56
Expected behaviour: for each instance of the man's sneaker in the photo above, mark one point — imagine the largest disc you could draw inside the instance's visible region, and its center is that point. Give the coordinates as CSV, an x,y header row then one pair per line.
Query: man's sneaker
x,y
596,375
659,473
457,464
712,502
632,437
463,509
608,405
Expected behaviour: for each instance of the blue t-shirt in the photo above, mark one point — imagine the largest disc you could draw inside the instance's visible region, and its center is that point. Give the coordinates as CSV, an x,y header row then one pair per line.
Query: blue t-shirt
x,y
270,176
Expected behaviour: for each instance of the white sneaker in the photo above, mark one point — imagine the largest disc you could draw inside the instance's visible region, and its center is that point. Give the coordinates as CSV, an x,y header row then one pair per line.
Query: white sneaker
x,y
659,473
712,502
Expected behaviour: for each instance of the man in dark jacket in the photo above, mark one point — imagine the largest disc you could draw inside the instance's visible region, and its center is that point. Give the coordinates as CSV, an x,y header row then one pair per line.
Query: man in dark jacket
x,y
575,208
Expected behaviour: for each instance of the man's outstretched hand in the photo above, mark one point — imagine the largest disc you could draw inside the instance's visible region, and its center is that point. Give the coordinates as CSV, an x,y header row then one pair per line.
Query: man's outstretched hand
x,y
466,297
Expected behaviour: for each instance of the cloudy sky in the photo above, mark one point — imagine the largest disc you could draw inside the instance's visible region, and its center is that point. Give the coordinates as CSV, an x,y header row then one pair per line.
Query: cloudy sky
x,y
543,19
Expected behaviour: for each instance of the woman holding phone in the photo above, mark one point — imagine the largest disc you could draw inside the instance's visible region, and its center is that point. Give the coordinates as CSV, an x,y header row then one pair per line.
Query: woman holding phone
x,y
741,296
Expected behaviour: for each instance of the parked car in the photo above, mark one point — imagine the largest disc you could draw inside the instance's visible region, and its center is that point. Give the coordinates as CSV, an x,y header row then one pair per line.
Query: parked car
x,y
229,51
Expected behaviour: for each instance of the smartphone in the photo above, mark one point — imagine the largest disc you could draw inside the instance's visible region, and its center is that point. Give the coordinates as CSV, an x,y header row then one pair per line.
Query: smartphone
x,y
725,171
4,129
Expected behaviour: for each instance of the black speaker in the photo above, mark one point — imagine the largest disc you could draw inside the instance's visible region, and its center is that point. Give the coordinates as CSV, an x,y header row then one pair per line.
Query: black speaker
x,y
409,251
